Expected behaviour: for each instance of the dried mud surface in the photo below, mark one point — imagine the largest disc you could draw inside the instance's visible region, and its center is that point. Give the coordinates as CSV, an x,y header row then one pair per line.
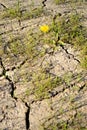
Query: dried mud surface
x,y
67,103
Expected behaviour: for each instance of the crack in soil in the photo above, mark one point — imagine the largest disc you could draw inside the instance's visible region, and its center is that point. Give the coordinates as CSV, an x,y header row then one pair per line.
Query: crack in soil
x,y
11,69
12,93
81,88
69,54
55,92
27,116
7,78
64,112
3,6
43,2
2,118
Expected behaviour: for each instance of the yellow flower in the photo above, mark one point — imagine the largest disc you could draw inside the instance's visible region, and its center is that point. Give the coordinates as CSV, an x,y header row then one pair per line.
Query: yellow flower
x,y
44,28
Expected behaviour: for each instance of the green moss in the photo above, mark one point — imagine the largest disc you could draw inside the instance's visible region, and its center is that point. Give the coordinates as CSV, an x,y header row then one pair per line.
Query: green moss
x,y
16,13
59,1
68,29
30,47
68,78
63,1
1,47
84,62
32,13
43,84
83,58
57,126
16,47
27,92
13,12
1,51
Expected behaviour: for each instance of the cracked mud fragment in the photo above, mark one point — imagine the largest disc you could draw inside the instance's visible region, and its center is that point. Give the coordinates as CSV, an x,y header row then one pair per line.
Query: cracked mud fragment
x,y
22,105
12,111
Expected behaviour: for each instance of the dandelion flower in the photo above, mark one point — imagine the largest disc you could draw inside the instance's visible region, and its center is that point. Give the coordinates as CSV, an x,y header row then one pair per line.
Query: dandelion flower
x,y
44,28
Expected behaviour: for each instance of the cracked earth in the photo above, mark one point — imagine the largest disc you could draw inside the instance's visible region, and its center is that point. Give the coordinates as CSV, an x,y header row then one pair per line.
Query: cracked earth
x,y
66,104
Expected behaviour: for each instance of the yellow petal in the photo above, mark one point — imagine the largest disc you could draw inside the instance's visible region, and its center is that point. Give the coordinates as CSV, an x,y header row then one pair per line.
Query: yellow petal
x,y
44,28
